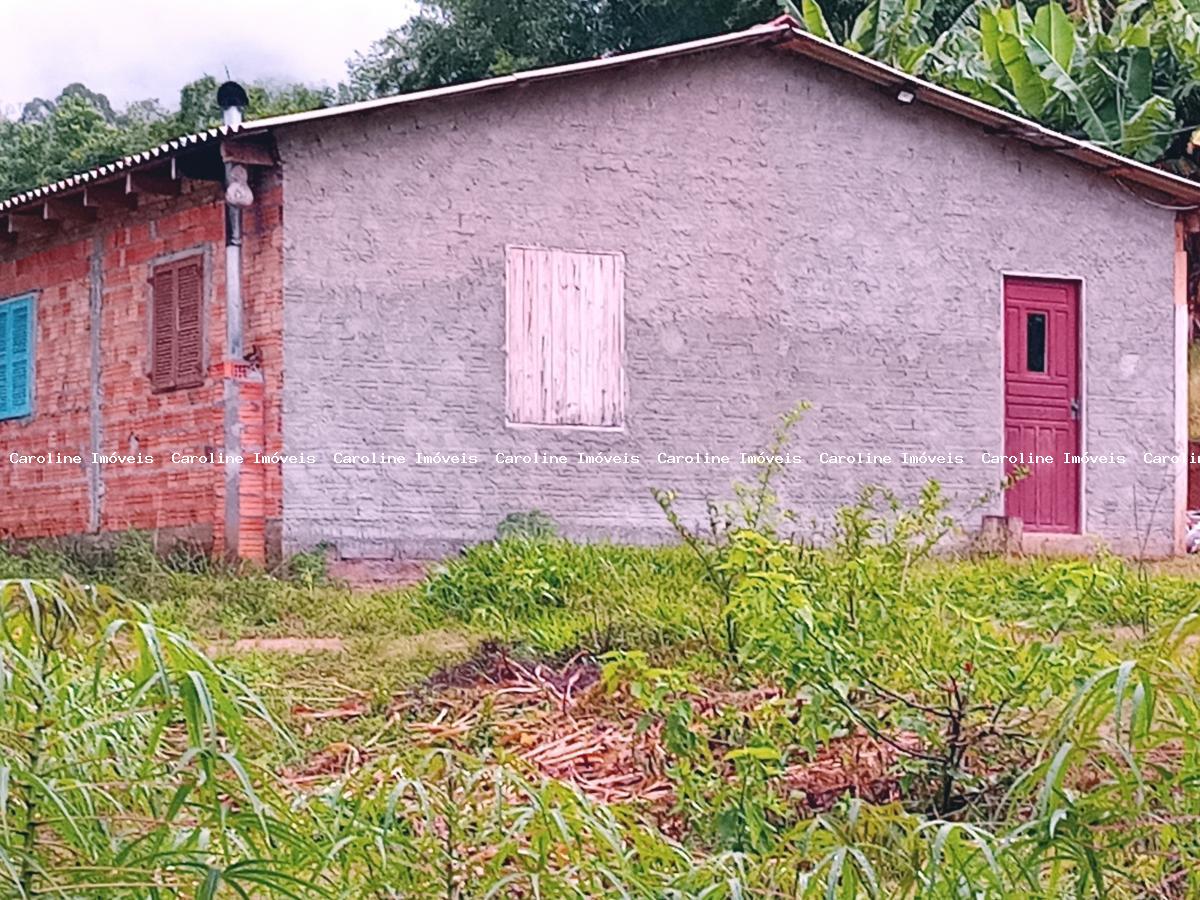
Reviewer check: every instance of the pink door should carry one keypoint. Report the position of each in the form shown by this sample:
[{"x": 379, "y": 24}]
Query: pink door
[{"x": 1041, "y": 401}]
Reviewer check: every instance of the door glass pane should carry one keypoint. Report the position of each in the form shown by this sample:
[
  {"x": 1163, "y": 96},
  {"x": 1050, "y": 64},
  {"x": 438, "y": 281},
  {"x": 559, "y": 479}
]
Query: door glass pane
[{"x": 1035, "y": 342}]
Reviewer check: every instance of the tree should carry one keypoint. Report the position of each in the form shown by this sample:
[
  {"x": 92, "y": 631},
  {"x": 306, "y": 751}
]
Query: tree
[
  {"x": 452, "y": 41},
  {"x": 1125, "y": 76},
  {"x": 80, "y": 129},
  {"x": 446, "y": 42},
  {"x": 55, "y": 138}
]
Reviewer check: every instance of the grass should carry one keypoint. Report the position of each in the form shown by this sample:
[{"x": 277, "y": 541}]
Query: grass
[
  {"x": 991, "y": 666},
  {"x": 549, "y": 600},
  {"x": 741, "y": 714}
]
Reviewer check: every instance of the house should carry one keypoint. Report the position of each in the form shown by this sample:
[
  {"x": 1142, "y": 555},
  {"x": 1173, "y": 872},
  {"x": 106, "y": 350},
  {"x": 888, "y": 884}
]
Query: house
[{"x": 388, "y": 325}]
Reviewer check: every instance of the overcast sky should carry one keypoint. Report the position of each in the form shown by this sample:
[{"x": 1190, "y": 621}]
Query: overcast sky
[{"x": 133, "y": 49}]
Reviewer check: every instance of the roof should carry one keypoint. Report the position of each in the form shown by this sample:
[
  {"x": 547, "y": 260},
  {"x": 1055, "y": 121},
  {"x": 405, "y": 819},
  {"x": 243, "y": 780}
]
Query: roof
[
  {"x": 783, "y": 33},
  {"x": 162, "y": 152}
]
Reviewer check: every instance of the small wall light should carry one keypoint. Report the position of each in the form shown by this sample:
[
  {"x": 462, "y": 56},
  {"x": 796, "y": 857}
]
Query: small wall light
[{"x": 906, "y": 97}]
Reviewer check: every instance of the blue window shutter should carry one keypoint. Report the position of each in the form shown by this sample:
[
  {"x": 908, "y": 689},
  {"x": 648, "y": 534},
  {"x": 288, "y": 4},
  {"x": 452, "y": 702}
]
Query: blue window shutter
[
  {"x": 5, "y": 355},
  {"x": 16, "y": 358}
]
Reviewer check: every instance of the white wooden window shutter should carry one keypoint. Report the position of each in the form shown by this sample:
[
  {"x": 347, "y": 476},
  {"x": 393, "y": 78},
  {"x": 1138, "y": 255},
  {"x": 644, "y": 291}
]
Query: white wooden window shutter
[{"x": 565, "y": 334}]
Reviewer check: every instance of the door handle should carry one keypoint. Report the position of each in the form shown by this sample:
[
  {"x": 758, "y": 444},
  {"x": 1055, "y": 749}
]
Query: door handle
[{"x": 1075, "y": 408}]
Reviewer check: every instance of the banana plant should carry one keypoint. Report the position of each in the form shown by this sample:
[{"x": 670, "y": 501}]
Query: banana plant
[
  {"x": 1100, "y": 85},
  {"x": 1110, "y": 78},
  {"x": 897, "y": 32},
  {"x": 1179, "y": 29}
]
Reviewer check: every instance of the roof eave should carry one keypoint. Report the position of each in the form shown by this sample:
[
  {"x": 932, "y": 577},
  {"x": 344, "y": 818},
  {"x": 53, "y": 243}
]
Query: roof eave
[
  {"x": 759, "y": 34},
  {"x": 783, "y": 32},
  {"x": 997, "y": 121}
]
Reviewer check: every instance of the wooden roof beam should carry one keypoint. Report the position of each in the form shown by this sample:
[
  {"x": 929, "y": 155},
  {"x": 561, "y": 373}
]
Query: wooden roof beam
[
  {"x": 109, "y": 193},
  {"x": 68, "y": 209},
  {"x": 28, "y": 224},
  {"x": 248, "y": 152},
  {"x": 162, "y": 183},
  {"x": 199, "y": 165}
]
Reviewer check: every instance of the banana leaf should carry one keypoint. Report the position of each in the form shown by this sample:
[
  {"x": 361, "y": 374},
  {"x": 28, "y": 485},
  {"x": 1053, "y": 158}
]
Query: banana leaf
[
  {"x": 1056, "y": 33},
  {"x": 1146, "y": 134},
  {"x": 911, "y": 58},
  {"x": 902, "y": 42},
  {"x": 811, "y": 14},
  {"x": 1138, "y": 81},
  {"x": 989, "y": 34},
  {"x": 1087, "y": 115},
  {"x": 1132, "y": 25},
  {"x": 1027, "y": 83},
  {"x": 1181, "y": 27},
  {"x": 1114, "y": 79},
  {"x": 983, "y": 89},
  {"x": 875, "y": 25},
  {"x": 862, "y": 32}
]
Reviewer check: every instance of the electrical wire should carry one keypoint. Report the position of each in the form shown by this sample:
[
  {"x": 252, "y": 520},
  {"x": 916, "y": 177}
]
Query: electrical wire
[{"x": 1155, "y": 203}]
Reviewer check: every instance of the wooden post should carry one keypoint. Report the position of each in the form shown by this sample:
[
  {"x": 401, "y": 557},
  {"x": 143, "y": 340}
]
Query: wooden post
[{"x": 1000, "y": 536}]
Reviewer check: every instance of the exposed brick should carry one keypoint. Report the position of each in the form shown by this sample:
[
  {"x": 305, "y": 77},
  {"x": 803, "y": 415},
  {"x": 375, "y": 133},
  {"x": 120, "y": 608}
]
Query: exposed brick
[{"x": 54, "y": 500}]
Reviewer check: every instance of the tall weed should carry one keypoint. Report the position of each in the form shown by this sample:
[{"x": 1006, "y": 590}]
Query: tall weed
[{"x": 122, "y": 763}]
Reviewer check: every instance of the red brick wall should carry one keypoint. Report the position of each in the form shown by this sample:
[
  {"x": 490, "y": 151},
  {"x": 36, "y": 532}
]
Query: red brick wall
[
  {"x": 50, "y": 499},
  {"x": 137, "y": 420},
  {"x": 186, "y": 499},
  {"x": 1193, "y": 494}
]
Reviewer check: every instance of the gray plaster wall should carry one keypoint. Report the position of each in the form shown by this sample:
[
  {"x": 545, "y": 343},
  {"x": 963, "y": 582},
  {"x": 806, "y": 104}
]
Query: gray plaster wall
[{"x": 790, "y": 233}]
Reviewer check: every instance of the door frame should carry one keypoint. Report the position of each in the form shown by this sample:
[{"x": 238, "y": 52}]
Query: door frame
[{"x": 1081, "y": 345}]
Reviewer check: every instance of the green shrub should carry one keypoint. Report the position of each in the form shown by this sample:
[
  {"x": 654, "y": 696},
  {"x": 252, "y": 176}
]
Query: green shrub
[
  {"x": 534, "y": 525},
  {"x": 555, "y": 597}
]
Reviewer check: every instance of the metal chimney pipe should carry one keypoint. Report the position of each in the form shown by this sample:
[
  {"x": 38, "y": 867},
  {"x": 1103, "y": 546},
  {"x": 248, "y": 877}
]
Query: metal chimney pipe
[{"x": 232, "y": 99}]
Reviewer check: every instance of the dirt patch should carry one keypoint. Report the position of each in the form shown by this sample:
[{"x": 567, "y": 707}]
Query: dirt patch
[
  {"x": 492, "y": 665},
  {"x": 372, "y": 574},
  {"x": 339, "y": 758},
  {"x": 553, "y": 718},
  {"x": 440, "y": 642},
  {"x": 294, "y": 645},
  {"x": 858, "y": 765},
  {"x": 559, "y": 721}
]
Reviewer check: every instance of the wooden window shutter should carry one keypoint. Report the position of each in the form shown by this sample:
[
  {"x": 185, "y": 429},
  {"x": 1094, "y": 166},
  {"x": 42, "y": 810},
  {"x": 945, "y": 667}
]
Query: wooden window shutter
[
  {"x": 565, "y": 337},
  {"x": 189, "y": 321},
  {"x": 177, "y": 325},
  {"x": 16, "y": 357},
  {"x": 162, "y": 353}
]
